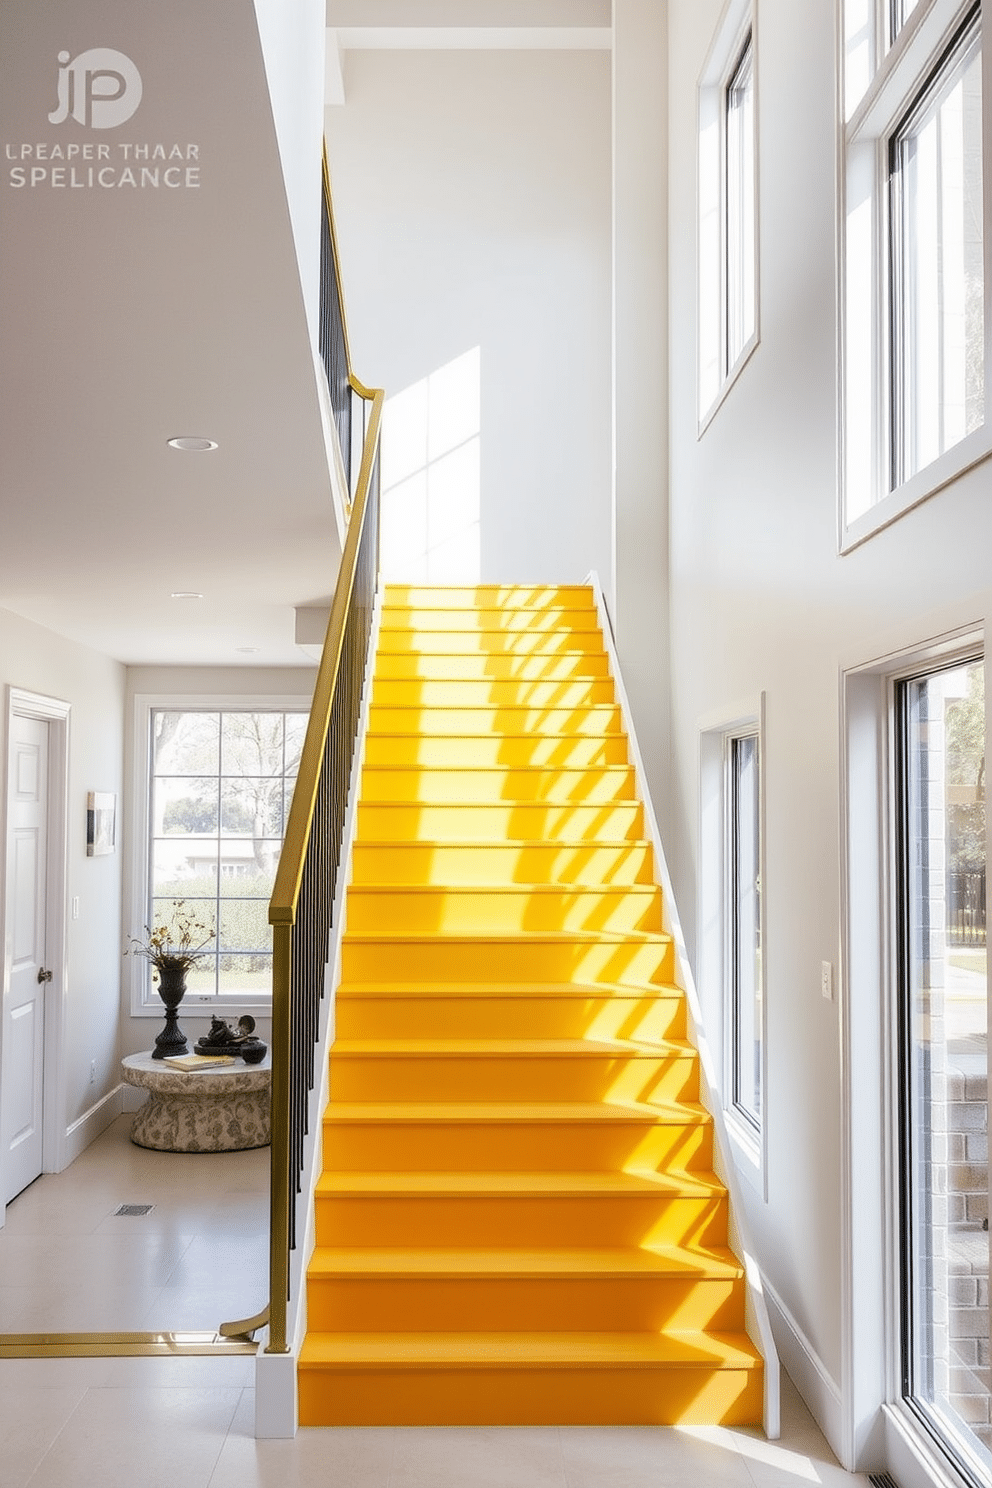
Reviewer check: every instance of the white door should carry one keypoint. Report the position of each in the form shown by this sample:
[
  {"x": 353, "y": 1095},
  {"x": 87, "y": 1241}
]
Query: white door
[{"x": 23, "y": 1056}]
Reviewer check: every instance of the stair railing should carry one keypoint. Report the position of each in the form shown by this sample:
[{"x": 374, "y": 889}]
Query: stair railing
[{"x": 306, "y": 878}]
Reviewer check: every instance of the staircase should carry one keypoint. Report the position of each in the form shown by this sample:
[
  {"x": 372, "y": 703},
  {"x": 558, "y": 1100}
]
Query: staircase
[{"x": 517, "y": 1222}]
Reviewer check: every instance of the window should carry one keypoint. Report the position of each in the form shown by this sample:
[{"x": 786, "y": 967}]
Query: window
[
  {"x": 744, "y": 975},
  {"x": 943, "y": 1059},
  {"x": 738, "y": 255},
  {"x": 730, "y": 961},
  {"x": 220, "y": 782},
  {"x": 915, "y": 288},
  {"x": 728, "y": 257}
]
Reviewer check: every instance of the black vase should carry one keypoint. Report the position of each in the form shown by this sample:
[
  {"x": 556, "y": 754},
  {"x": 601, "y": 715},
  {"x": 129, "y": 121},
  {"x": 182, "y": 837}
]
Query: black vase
[{"x": 171, "y": 989}]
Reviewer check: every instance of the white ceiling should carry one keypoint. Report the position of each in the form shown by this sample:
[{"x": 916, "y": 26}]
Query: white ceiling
[{"x": 128, "y": 316}]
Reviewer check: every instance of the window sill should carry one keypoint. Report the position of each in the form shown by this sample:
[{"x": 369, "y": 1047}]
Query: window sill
[
  {"x": 747, "y": 352},
  {"x": 957, "y": 461}
]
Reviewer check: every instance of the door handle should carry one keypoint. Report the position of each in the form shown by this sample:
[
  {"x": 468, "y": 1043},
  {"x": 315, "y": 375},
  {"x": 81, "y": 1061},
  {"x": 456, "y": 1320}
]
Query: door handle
[{"x": 43, "y": 975}]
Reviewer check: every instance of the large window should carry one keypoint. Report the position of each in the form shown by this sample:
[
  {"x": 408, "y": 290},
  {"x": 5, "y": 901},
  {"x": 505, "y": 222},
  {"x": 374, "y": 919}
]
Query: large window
[
  {"x": 220, "y": 783},
  {"x": 915, "y": 296},
  {"x": 728, "y": 251},
  {"x": 943, "y": 1017}
]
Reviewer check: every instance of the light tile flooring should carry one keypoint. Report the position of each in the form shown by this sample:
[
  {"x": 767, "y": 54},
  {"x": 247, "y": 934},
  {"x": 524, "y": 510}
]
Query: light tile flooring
[{"x": 198, "y": 1258}]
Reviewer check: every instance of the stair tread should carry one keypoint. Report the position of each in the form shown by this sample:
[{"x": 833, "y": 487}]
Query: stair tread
[
  {"x": 524, "y": 937},
  {"x": 600, "y": 991},
  {"x": 618, "y": 1183},
  {"x": 643, "y": 890},
  {"x": 515, "y": 1048},
  {"x": 517, "y": 1112},
  {"x": 534, "y": 1350},
  {"x": 668, "y": 1261}
]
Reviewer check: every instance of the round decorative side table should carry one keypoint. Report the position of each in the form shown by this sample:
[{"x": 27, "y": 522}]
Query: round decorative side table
[{"x": 225, "y": 1109}]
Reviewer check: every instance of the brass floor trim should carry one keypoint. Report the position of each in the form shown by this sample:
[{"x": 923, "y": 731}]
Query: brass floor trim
[{"x": 120, "y": 1345}]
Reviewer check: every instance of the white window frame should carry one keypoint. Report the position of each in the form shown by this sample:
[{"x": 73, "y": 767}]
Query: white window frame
[
  {"x": 748, "y": 1141},
  {"x": 875, "y": 1418},
  {"x": 144, "y": 999},
  {"x": 718, "y": 363},
  {"x": 878, "y": 82}
]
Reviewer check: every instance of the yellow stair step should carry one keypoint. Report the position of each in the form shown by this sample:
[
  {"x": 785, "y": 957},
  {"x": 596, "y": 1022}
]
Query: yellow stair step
[
  {"x": 525, "y": 620},
  {"x": 521, "y": 1136},
  {"x": 579, "y": 1184},
  {"x": 560, "y": 666},
  {"x": 396, "y": 640},
  {"x": 562, "y": 862},
  {"x": 503, "y": 718},
  {"x": 496, "y": 784},
  {"x": 463, "y": 908},
  {"x": 481, "y": 692},
  {"x": 613, "y": 1289},
  {"x": 634, "y": 958},
  {"x": 657, "y": 1260},
  {"x": 483, "y": 751},
  {"x": 528, "y": 821},
  {"x": 458, "y": 596}
]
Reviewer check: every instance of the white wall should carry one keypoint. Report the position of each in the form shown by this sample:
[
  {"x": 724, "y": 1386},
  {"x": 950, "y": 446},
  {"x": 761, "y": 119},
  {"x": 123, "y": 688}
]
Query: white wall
[
  {"x": 93, "y": 685},
  {"x": 292, "y": 38},
  {"x": 472, "y": 200},
  {"x": 760, "y": 600}
]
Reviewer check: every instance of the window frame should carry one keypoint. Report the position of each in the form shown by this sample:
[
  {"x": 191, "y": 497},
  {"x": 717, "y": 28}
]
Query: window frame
[
  {"x": 926, "y": 1415},
  {"x": 719, "y": 361},
  {"x": 877, "y": 1419},
  {"x": 143, "y": 996},
  {"x": 880, "y": 80},
  {"x": 748, "y": 1138},
  {"x": 750, "y": 1121}
]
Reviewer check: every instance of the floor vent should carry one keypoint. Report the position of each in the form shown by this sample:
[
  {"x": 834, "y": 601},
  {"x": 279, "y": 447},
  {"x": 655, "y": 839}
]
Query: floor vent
[
  {"x": 133, "y": 1211},
  {"x": 882, "y": 1480}
]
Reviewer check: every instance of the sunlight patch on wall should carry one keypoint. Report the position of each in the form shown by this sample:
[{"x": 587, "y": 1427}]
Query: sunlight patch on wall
[{"x": 431, "y": 477}]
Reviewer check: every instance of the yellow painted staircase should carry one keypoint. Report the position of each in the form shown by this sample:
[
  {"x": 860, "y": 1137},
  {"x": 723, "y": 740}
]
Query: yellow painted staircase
[{"x": 517, "y": 1221}]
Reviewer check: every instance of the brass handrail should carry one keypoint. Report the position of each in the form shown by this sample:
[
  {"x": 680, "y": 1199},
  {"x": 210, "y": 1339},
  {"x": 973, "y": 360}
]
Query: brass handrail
[{"x": 284, "y": 904}]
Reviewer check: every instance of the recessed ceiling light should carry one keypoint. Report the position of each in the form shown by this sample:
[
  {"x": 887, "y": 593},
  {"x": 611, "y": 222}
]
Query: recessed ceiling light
[
  {"x": 249, "y": 650},
  {"x": 185, "y": 594},
  {"x": 192, "y": 443}
]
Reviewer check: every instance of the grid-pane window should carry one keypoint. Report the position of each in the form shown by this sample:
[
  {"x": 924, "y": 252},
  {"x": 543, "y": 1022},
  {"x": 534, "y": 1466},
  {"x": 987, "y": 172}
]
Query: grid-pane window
[
  {"x": 739, "y": 205},
  {"x": 221, "y": 783},
  {"x": 944, "y": 1013},
  {"x": 937, "y": 277},
  {"x": 744, "y": 937}
]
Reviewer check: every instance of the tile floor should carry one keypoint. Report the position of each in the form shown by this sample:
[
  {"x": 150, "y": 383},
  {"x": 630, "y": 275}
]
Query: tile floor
[{"x": 187, "y": 1423}]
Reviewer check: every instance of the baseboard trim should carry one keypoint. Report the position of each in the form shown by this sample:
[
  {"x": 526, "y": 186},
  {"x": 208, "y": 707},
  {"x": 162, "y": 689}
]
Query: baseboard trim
[
  {"x": 807, "y": 1372},
  {"x": 92, "y": 1124}
]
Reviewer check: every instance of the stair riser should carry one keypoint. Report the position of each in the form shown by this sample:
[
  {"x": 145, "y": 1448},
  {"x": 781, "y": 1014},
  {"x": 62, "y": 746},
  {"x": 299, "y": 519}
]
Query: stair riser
[
  {"x": 554, "y": 619},
  {"x": 397, "y": 640},
  {"x": 378, "y": 822},
  {"x": 498, "y": 786},
  {"x": 466, "y": 1147},
  {"x": 530, "y": 1397},
  {"x": 438, "y": 961},
  {"x": 590, "y": 722},
  {"x": 507, "y": 596},
  {"x": 532, "y": 1222},
  {"x": 382, "y": 1078},
  {"x": 481, "y": 665},
  {"x": 374, "y": 1304},
  {"x": 501, "y": 911},
  {"x": 638, "y": 1018},
  {"x": 446, "y": 863},
  {"x": 483, "y": 751},
  {"x": 490, "y": 692}
]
